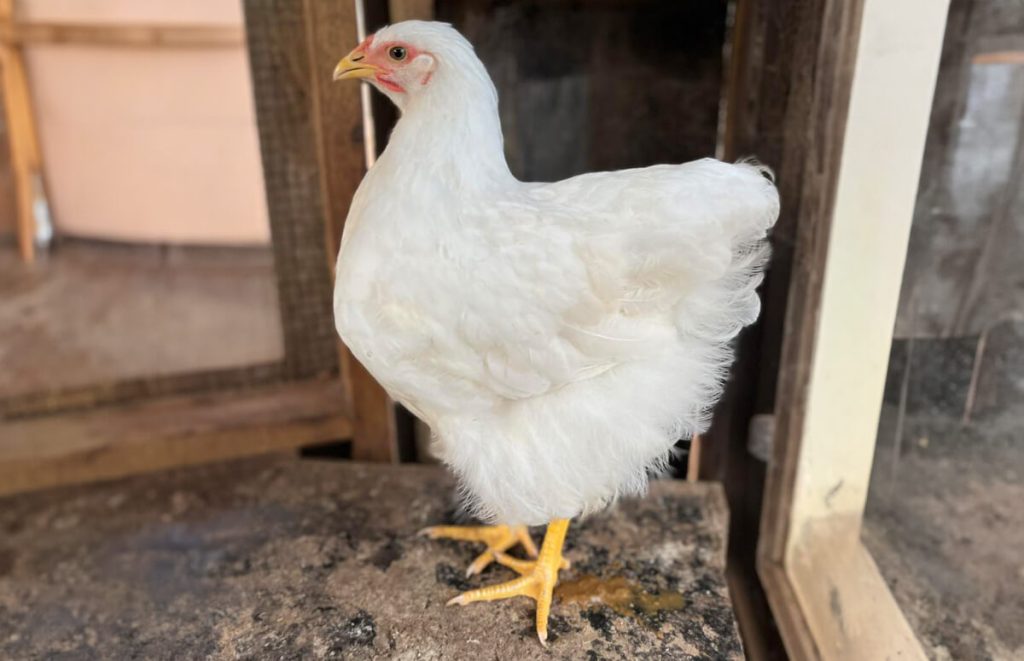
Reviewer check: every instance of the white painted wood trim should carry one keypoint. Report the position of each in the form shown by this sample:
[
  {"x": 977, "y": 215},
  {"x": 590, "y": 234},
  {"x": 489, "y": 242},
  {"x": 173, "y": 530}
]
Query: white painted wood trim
[{"x": 890, "y": 106}]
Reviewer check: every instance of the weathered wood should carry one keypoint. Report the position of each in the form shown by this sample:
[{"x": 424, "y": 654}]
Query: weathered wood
[
  {"x": 112, "y": 442},
  {"x": 310, "y": 137},
  {"x": 767, "y": 94},
  {"x": 331, "y": 31},
  {"x": 282, "y": 84},
  {"x": 337, "y": 110},
  {"x": 815, "y": 127}
]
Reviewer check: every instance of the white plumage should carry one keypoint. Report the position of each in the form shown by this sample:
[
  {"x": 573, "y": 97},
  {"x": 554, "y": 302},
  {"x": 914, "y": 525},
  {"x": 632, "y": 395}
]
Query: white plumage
[{"x": 560, "y": 337}]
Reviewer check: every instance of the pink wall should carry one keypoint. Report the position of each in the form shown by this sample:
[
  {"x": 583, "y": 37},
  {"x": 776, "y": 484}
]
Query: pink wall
[
  {"x": 216, "y": 12},
  {"x": 154, "y": 145}
]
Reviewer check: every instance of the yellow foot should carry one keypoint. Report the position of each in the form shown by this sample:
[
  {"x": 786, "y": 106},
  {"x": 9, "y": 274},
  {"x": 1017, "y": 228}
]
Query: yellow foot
[
  {"x": 497, "y": 538},
  {"x": 537, "y": 578}
]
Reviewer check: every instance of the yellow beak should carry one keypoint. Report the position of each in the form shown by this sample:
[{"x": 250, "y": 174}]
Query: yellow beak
[{"x": 352, "y": 66}]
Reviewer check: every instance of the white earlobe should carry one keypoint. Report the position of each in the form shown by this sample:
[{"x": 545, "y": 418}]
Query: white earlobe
[{"x": 424, "y": 65}]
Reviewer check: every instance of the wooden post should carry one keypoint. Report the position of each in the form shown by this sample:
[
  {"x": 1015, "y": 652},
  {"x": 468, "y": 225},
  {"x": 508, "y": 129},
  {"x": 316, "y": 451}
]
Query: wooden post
[
  {"x": 25, "y": 158},
  {"x": 332, "y": 29},
  {"x": 312, "y": 137}
]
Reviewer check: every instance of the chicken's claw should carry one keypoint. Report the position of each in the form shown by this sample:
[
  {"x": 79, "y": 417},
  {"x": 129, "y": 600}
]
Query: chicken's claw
[
  {"x": 498, "y": 539},
  {"x": 537, "y": 578}
]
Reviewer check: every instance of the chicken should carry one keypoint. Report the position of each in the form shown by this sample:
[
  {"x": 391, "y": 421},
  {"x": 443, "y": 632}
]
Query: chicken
[{"x": 558, "y": 338}]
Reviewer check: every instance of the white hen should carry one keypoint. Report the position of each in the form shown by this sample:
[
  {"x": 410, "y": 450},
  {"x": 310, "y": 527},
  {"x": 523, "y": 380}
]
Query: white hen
[{"x": 558, "y": 338}]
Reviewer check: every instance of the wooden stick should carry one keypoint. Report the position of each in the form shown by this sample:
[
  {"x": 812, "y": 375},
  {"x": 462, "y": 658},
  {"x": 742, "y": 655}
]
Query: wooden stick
[
  {"x": 999, "y": 57},
  {"x": 693, "y": 462},
  {"x": 25, "y": 161}
]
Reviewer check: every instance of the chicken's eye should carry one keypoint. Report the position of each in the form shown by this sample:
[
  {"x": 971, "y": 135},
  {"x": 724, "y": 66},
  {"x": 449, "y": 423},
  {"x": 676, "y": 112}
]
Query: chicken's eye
[{"x": 397, "y": 53}]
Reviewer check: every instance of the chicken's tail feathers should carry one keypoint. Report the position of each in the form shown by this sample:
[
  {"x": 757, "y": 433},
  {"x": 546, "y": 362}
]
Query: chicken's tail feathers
[{"x": 762, "y": 169}]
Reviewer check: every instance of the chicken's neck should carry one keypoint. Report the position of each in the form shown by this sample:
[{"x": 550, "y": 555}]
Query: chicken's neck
[{"x": 452, "y": 134}]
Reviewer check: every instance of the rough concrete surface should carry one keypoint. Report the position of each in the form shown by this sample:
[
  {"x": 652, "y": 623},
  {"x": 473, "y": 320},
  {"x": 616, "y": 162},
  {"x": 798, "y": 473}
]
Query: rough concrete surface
[{"x": 281, "y": 558}]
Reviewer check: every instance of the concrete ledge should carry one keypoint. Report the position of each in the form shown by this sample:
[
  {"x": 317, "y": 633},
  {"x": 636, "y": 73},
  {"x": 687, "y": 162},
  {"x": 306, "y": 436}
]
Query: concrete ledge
[{"x": 284, "y": 558}]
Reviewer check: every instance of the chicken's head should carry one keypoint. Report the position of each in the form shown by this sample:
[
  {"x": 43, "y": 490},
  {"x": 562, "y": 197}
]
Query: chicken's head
[{"x": 408, "y": 59}]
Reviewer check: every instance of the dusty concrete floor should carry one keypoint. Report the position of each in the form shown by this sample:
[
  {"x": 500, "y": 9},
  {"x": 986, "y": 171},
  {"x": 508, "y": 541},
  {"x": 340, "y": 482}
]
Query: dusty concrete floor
[
  {"x": 945, "y": 522},
  {"x": 99, "y": 312},
  {"x": 281, "y": 558}
]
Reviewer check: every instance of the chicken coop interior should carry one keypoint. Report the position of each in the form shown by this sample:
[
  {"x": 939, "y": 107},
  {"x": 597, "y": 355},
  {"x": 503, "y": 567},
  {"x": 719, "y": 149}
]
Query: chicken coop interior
[{"x": 193, "y": 465}]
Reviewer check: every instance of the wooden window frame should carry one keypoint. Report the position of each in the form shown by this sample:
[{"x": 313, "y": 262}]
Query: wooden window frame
[{"x": 876, "y": 66}]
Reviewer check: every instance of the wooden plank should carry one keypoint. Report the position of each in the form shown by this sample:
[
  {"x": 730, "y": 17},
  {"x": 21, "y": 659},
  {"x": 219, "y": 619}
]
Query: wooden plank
[
  {"x": 111, "y": 442},
  {"x": 332, "y": 31},
  {"x": 787, "y": 611},
  {"x": 769, "y": 91},
  {"x": 850, "y": 611},
  {"x": 832, "y": 593},
  {"x": 822, "y": 116},
  {"x": 125, "y": 35}
]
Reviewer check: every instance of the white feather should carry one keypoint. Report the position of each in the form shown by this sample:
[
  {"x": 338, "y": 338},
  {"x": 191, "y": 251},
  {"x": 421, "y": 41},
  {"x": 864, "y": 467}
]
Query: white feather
[{"x": 558, "y": 338}]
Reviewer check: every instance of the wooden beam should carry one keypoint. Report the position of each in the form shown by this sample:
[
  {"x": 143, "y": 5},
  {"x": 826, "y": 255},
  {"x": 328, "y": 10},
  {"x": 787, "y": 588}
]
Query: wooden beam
[
  {"x": 311, "y": 141},
  {"x": 768, "y": 94},
  {"x": 124, "y": 35},
  {"x": 818, "y": 134},
  {"x": 332, "y": 29},
  {"x": 122, "y": 440}
]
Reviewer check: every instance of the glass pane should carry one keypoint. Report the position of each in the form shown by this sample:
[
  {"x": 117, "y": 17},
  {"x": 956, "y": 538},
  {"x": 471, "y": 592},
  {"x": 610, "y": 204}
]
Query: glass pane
[{"x": 945, "y": 520}]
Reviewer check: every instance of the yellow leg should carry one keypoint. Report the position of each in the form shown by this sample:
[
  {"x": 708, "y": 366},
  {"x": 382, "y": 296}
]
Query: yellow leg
[
  {"x": 537, "y": 578},
  {"x": 497, "y": 538}
]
